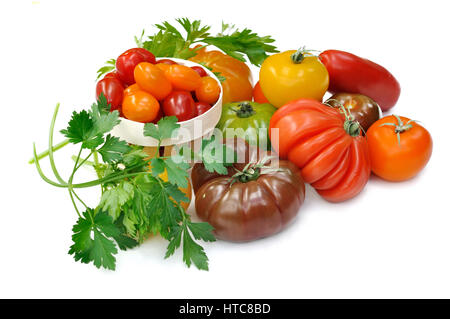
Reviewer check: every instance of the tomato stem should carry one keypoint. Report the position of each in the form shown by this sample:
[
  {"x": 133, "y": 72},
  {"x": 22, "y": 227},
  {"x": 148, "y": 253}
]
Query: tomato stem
[
  {"x": 400, "y": 127},
  {"x": 300, "y": 55},
  {"x": 245, "y": 110}
]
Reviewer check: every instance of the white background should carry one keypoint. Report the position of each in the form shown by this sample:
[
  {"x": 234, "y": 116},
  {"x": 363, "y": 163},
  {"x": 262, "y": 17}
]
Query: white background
[{"x": 391, "y": 241}]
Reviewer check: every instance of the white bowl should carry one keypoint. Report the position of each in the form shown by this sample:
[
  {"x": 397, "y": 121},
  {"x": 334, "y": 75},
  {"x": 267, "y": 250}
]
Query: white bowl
[{"x": 193, "y": 129}]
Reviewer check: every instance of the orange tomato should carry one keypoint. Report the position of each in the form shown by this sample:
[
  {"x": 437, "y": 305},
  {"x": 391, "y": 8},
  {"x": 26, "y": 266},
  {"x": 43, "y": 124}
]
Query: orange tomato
[
  {"x": 183, "y": 77},
  {"x": 208, "y": 91},
  {"x": 237, "y": 86},
  {"x": 131, "y": 89},
  {"x": 140, "y": 106},
  {"x": 258, "y": 95},
  {"x": 152, "y": 79},
  {"x": 164, "y": 67},
  {"x": 399, "y": 148}
]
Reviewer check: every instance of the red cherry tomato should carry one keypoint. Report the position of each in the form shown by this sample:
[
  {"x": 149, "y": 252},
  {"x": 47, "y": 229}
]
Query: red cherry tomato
[
  {"x": 166, "y": 61},
  {"x": 140, "y": 106},
  {"x": 180, "y": 104},
  {"x": 112, "y": 75},
  {"x": 201, "y": 71},
  {"x": 201, "y": 107},
  {"x": 112, "y": 89},
  {"x": 158, "y": 116},
  {"x": 258, "y": 95},
  {"x": 127, "y": 61}
]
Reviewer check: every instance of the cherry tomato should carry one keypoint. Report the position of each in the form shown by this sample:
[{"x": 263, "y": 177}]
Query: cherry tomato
[
  {"x": 158, "y": 116},
  {"x": 140, "y": 106},
  {"x": 127, "y": 61},
  {"x": 208, "y": 91},
  {"x": 258, "y": 95},
  {"x": 166, "y": 61},
  {"x": 201, "y": 107},
  {"x": 164, "y": 67},
  {"x": 179, "y": 104},
  {"x": 183, "y": 77},
  {"x": 131, "y": 89},
  {"x": 113, "y": 75},
  {"x": 112, "y": 89},
  {"x": 201, "y": 71},
  {"x": 151, "y": 78},
  {"x": 399, "y": 148}
]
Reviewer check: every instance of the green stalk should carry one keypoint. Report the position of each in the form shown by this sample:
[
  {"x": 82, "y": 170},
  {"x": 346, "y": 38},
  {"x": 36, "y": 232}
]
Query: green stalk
[
  {"x": 45, "y": 153},
  {"x": 50, "y": 146},
  {"x": 45, "y": 178}
]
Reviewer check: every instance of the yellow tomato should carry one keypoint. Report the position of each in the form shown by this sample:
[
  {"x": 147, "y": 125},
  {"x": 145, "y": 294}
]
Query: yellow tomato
[{"x": 292, "y": 75}]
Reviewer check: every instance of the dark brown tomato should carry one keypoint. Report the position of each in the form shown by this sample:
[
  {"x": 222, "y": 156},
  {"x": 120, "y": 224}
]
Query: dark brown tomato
[
  {"x": 244, "y": 211},
  {"x": 365, "y": 110},
  {"x": 245, "y": 153}
]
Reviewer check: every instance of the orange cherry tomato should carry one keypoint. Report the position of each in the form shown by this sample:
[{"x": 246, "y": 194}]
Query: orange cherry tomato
[
  {"x": 164, "y": 67},
  {"x": 258, "y": 95},
  {"x": 152, "y": 79},
  {"x": 140, "y": 106},
  {"x": 131, "y": 89},
  {"x": 208, "y": 91},
  {"x": 399, "y": 148},
  {"x": 183, "y": 77}
]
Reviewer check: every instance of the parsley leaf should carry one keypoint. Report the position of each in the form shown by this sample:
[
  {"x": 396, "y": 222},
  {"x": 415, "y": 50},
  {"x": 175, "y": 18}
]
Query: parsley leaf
[
  {"x": 214, "y": 156},
  {"x": 193, "y": 252},
  {"x": 167, "y": 127},
  {"x": 91, "y": 242},
  {"x": 113, "y": 149},
  {"x": 115, "y": 197},
  {"x": 110, "y": 66}
]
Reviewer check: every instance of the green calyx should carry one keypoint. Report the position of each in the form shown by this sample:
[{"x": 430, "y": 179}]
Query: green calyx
[
  {"x": 245, "y": 110},
  {"x": 352, "y": 127},
  {"x": 300, "y": 55},
  {"x": 400, "y": 127}
]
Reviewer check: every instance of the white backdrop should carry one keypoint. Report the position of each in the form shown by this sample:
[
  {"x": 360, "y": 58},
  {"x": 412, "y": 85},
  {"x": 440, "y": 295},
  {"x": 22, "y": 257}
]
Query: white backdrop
[{"x": 391, "y": 241}]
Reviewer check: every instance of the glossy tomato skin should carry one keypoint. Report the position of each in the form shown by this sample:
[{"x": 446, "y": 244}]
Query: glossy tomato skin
[
  {"x": 244, "y": 211},
  {"x": 312, "y": 136},
  {"x": 238, "y": 84},
  {"x": 365, "y": 110},
  {"x": 201, "y": 107},
  {"x": 258, "y": 95},
  {"x": 112, "y": 89},
  {"x": 282, "y": 80},
  {"x": 166, "y": 61},
  {"x": 208, "y": 91},
  {"x": 152, "y": 79},
  {"x": 140, "y": 106},
  {"x": 352, "y": 74},
  {"x": 394, "y": 162},
  {"x": 183, "y": 77},
  {"x": 127, "y": 61},
  {"x": 179, "y": 104},
  {"x": 201, "y": 71}
]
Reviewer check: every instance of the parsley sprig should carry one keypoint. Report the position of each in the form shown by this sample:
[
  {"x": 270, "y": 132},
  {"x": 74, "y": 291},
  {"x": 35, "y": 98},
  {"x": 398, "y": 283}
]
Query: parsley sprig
[
  {"x": 184, "y": 39},
  {"x": 135, "y": 201}
]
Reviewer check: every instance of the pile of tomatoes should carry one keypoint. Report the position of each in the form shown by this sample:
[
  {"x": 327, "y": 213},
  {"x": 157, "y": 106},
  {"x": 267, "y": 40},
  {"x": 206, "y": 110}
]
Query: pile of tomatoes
[{"x": 144, "y": 89}]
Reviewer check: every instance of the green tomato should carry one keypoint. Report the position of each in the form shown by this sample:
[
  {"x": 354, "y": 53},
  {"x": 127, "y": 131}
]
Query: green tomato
[{"x": 247, "y": 120}]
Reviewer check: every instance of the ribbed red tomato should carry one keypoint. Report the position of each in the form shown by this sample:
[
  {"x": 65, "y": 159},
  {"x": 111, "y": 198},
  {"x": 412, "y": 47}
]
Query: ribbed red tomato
[{"x": 328, "y": 148}]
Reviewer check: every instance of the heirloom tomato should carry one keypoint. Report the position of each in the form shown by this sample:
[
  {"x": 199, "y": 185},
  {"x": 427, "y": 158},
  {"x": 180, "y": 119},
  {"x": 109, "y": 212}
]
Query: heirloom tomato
[
  {"x": 255, "y": 202},
  {"x": 399, "y": 148},
  {"x": 328, "y": 147},
  {"x": 292, "y": 75}
]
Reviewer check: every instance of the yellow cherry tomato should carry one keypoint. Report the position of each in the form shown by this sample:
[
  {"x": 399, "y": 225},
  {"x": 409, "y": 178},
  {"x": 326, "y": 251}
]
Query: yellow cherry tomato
[{"x": 292, "y": 75}]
